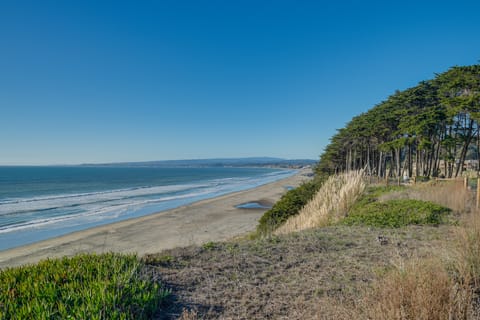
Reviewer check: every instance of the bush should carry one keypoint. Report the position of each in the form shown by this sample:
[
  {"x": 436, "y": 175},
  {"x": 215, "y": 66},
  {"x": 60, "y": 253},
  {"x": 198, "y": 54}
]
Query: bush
[
  {"x": 397, "y": 213},
  {"x": 289, "y": 205},
  {"x": 107, "y": 286}
]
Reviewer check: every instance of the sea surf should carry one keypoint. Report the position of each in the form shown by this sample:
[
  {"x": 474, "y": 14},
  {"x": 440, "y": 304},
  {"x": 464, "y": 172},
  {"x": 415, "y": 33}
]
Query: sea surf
[{"x": 38, "y": 203}]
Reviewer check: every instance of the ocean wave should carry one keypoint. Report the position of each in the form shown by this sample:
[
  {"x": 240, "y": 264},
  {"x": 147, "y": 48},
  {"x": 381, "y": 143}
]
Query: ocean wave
[
  {"x": 97, "y": 213},
  {"x": 16, "y": 206},
  {"x": 114, "y": 205}
]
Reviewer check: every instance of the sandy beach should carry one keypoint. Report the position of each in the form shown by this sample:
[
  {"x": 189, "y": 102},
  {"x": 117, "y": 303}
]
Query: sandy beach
[{"x": 208, "y": 220}]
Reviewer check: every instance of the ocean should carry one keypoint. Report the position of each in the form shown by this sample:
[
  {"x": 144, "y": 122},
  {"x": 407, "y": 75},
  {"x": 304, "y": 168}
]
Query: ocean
[{"x": 37, "y": 203}]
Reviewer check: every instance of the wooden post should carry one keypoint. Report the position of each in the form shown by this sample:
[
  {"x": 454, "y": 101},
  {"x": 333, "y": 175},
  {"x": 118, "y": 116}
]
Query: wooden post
[
  {"x": 465, "y": 182},
  {"x": 386, "y": 181},
  {"x": 478, "y": 192},
  {"x": 398, "y": 181},
  {"x": 415, "y": 180}
]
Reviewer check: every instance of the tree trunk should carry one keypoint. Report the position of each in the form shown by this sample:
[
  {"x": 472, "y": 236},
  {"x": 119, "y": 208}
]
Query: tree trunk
[{"x": 468, "y": 138}]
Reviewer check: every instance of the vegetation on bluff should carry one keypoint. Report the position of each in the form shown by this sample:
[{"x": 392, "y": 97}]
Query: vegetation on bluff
[
  {"x": 424, "y": 269},
  {"x": 330, "y": 204},
  {"x": 289, "y": 205},
  {"x": 107, "y": 286},
  {"x": 397, "y": 213}
]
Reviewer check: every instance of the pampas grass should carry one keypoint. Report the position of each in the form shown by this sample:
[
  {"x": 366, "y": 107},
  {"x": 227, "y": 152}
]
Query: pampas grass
[{"x": 330, "y": 204}]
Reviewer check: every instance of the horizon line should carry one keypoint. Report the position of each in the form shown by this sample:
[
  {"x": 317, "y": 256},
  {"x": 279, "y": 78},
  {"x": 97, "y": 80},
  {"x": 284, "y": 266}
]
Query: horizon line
[{"x": 265, "y": 158}]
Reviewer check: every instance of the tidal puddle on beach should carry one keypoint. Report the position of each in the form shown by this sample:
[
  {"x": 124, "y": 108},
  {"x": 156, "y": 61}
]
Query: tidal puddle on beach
[{"x": 253, "y": 205}]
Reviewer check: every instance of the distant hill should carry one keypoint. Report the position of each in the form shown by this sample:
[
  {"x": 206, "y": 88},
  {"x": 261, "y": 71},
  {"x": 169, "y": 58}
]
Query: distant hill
[{"x": 220, "y": 162}]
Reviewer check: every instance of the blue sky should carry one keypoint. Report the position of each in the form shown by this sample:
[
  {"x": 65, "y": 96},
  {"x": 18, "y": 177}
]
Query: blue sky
[{"x": 106, "y": 81}]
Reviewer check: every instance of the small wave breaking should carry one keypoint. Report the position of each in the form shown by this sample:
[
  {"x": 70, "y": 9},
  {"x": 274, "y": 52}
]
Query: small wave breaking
[{"x": 40, "y": 217}]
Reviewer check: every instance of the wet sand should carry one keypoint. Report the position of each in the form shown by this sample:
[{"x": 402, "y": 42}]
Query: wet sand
[{"x": 208, "y": 220}]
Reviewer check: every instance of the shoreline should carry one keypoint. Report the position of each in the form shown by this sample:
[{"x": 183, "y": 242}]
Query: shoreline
[
  {"x": 27, "y": 218},
  {"x": 213, "y": 219}
]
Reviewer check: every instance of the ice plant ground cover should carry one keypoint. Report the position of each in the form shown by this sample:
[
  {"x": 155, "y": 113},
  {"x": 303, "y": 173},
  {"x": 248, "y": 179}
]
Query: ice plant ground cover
[{"x": 106, "y": 286}]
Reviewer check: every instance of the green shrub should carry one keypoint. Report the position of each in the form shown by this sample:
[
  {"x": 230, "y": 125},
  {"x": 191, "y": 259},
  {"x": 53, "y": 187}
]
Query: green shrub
[
  {"x": 397, "y": 213},
  {"x": 289, "y": 205},
  {"x": 374, "y": 192},
  {"x": 107, "y": 286}
]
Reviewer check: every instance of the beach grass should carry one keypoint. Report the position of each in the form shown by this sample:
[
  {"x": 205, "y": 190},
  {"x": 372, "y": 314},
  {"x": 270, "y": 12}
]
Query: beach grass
[
  {"x": 329, "y": 205},
  {"x": 87, "y": 286},
  {"x": 289, "y": 205}
]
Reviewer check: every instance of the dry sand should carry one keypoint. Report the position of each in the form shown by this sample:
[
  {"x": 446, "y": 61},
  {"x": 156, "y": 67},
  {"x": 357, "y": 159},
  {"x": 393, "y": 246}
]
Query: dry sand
[{"x": 208, "y": 220}]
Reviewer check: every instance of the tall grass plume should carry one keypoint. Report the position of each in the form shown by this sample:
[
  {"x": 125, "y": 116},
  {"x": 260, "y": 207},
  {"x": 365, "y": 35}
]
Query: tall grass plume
[{"x": 330, "y": 204}]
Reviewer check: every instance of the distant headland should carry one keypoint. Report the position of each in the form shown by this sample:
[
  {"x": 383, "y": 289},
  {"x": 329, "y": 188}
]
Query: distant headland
[{"x": 217, "y": 162}]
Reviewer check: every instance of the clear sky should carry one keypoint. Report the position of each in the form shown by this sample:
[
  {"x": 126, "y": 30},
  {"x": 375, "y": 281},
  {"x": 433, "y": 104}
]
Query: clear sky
[{"x": 107, "y": 81}]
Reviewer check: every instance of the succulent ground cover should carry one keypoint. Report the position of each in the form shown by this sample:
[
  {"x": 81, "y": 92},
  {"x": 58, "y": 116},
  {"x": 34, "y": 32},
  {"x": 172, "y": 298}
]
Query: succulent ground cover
[{"x": 107, "y": 286}]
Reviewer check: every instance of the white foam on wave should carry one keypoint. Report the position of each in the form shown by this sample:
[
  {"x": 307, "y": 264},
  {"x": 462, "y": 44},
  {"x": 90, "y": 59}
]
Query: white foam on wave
[
  {"x": 97, "y": 213},
  {"x": 13, "y": 206}
]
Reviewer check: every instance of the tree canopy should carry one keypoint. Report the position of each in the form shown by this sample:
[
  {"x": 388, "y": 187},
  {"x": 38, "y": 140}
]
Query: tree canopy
[{"x": 427, "y": 130}]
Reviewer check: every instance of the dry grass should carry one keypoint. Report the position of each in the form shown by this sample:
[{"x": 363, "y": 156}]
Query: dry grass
[
  {"x": 450, "y": 194},
  {"x": 419, "y": 289},
  {"x": 188, "y": 315},
  {"x": 330, "y": 204},
  {"x": 430, "y": 288},
  {"x": 315, "y": 274},
  {"x": 467, "y": 253},
  {"x": 336, "y": 272}
]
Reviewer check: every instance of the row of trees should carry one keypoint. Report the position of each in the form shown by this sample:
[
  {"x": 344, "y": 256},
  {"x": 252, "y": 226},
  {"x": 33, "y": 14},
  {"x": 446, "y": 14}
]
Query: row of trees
[{"x": 427, "y": 130}]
